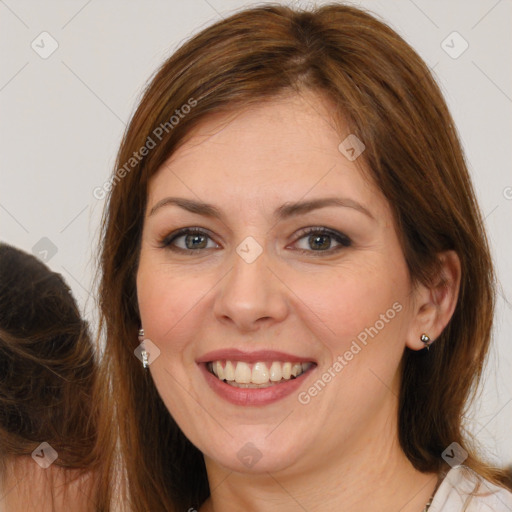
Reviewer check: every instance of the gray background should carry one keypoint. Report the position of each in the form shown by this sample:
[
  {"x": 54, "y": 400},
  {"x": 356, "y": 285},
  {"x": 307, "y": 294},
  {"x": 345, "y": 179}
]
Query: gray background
[{"x": 62, "y": 118}]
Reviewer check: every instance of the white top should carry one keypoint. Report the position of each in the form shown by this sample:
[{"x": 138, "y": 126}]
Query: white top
[{"x": 454, "y": 494}]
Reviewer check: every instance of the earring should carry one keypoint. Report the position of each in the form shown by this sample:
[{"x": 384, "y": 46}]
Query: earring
[
  {"x": 143, "y": 353},
  {"x": 426, "y": 340}
]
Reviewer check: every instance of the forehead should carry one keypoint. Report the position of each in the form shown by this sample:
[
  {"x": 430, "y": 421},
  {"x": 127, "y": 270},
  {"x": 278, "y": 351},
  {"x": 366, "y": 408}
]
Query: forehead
[{"x": 284, "y": 149}]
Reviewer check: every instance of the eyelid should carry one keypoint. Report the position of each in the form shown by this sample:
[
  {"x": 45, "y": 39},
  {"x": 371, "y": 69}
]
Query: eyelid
[{"x": 323, "y": 230}]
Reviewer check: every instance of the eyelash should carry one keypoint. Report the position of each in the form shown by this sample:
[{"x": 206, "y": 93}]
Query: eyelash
[{"x": 343, "y": 240}]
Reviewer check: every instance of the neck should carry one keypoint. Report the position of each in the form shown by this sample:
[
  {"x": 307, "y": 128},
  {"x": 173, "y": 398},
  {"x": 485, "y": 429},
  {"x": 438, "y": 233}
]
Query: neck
[{"x": 373, "y": 474}]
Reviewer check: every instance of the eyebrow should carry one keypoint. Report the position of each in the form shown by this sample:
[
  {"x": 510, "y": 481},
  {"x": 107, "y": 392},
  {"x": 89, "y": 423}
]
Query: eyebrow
[{"x": 285, "y": 211}]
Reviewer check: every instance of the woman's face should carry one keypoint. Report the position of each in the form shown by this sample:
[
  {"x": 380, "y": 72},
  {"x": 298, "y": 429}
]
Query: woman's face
[{"x": 273, "y": 257}]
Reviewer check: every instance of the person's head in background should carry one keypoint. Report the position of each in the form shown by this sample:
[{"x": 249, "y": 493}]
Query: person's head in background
[
  {"x": 345, "y": 73},
  {"x": 47, "y": 372}
]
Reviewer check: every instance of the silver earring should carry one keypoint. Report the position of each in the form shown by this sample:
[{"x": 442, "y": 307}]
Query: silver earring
[
  {"x": 143, "y": 353},
  {"x": 426, "y": 340}
]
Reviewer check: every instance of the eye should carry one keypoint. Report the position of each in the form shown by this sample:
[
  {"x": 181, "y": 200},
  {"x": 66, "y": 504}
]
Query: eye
[
  {"x": 319, "y": 239},
  {"x": 188, "y": 240},
  {"x": 314, "y": 239}
]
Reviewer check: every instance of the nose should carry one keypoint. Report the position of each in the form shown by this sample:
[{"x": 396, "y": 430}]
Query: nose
[{"x": 251, "y": 296}]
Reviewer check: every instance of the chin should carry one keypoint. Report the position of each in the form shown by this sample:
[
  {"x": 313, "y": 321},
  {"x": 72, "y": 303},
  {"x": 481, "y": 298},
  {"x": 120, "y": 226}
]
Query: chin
[
  {"x": 256, "y": 464},
  {"x": 257, "y": 456}
]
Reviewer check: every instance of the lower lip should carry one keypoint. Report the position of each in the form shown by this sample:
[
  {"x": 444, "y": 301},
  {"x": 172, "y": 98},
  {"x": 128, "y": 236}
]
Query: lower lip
[{"x": 253, "y": 396}]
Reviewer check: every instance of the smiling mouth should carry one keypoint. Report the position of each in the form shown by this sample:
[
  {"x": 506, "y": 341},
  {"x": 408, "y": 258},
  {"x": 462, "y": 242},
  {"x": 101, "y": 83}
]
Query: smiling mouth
[{"x": 257, "y": 375}]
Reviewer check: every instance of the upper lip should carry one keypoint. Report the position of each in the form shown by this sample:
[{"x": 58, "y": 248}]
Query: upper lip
[{"x": 233, "y": 354}]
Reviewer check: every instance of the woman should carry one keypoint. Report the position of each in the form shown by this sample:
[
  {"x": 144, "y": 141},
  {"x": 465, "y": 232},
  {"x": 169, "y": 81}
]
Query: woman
[
  {"x": 296, "y": 287},
  {"x": 47, "y": 371}
]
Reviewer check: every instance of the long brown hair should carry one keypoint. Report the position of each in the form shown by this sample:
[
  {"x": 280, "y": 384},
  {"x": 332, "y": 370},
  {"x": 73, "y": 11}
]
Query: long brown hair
[
  {"x": 47, "y": 371},
  {"x": 387, "y": 96}
]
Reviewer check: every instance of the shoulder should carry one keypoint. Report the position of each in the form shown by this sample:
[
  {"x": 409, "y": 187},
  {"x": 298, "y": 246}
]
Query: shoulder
[{"x": 463, "y": 490}]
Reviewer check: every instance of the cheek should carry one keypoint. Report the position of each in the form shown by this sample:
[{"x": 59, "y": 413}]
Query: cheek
[
  {"x": 167, "y": 303},
  {"x": 352, "y": 299}
]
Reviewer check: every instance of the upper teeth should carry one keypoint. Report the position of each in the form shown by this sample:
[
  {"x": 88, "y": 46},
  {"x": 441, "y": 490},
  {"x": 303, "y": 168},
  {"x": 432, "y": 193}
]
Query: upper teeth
[{"x": 260, "y": 373}]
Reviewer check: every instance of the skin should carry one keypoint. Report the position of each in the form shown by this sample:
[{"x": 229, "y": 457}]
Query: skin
[
  {"x": 25, "y": 486},
  {"x": 340, "y": 451}
]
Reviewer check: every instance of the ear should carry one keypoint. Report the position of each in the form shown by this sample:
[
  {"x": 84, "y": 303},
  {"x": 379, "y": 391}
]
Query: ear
[{"x": 434, "y": 305}]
